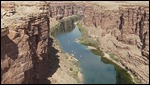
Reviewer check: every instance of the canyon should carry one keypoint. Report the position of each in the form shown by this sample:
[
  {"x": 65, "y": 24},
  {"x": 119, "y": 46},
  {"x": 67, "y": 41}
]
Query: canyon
[
  {"x": 123, "y": 31},
  {"x": 29, "y": 55}
]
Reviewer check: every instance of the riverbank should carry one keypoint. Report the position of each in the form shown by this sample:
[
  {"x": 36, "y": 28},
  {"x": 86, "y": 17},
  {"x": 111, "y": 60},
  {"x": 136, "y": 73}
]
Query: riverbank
[
  {"x": 86, "y": 39},
  {"x": 69, "y": 71}
]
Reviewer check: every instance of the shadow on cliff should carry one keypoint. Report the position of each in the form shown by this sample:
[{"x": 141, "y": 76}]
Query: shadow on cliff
[
  {"x": 43, "y": 69},
  {"x": 9, "y": 48},
  {"x": 51, "y": 65},
  {"x": 44, "y": 59},
  {"x": 9, "y": 52},
  {"x": 54, "y": 60}
]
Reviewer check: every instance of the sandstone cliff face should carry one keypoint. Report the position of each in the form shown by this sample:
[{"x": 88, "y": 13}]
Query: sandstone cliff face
[
  {"x": 27, "y": 55},
  {"x": 135, "y": 32},
  {"x": 128, "y": 19},
  {"x": 60, "y": 10},
  {"x": 124, "y": 32},
  {"x": 24, "y": 48},
  {"x": 135, "y": 20}
]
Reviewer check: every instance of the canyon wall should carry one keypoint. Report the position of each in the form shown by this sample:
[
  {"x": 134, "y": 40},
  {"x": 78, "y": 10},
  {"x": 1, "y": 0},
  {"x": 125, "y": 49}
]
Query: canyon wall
[
  {"x": 123, "y": 31},
  {"x": 26, "y": 48},
  {"x": 129, "y": 19},
  {"x": 60, "y": 10},
  {"x": 135, "y": 20}
]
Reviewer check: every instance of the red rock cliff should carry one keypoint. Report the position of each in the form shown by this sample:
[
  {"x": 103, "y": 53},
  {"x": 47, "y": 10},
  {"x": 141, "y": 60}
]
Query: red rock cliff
[
  {"x": 124, "y": 32},
  {"x": 27, "y": 55}
]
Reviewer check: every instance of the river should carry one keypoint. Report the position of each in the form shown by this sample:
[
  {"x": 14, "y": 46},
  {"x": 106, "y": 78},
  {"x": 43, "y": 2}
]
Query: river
[{"x": 94, "y": 70}]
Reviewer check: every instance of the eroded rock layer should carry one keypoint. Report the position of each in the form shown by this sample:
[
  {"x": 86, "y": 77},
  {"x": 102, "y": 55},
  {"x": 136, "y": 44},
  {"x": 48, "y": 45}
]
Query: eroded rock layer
[
  {"x": 25, "y": 43},
  {"x": 123, "y": 31}
]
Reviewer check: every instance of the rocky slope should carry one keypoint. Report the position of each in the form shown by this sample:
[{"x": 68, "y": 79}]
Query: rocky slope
[
  {"x": 122, "y": 30},
  {"x": 24, "y": 48},
  {"x": 27, "y": 54}
]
